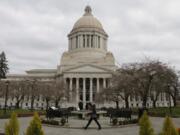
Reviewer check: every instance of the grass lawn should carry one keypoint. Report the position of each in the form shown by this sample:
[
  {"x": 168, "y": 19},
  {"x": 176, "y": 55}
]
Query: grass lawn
[
  {"x": 19, "y": 112},
  {"x": 175, "y": 111}
]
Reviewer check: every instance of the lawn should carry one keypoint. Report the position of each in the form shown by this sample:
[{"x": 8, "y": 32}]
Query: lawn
[
  {"x": 19, "y": 112},
  {"x": 163, "y": 111}
]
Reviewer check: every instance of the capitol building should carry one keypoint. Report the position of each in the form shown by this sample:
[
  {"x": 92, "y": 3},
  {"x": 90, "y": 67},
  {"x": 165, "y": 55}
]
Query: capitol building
[{"x": 86, "y": 67}]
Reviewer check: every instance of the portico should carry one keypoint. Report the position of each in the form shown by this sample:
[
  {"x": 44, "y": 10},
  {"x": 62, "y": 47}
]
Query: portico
[{"x": 84, "y": 86}]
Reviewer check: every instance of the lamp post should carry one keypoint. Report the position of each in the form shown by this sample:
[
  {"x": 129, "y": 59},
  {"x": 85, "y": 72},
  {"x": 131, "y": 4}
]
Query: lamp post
[{"x": 6, "y": 96}]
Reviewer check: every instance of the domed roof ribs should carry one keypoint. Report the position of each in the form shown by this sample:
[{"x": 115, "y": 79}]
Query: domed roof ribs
[{"x": 88, "y": 23}]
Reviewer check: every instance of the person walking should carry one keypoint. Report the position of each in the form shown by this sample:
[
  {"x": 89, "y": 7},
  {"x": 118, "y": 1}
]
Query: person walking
[{"x": 93, "y": 116}]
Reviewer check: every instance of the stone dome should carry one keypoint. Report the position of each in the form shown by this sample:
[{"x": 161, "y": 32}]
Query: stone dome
[{"x": 88, "y": 21}]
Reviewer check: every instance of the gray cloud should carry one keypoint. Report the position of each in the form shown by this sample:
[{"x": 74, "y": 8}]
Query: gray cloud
[{"x": 34, "y": 33}]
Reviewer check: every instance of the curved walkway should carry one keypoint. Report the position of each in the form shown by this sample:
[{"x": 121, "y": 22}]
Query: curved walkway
[{"x": 75, "y": 127}]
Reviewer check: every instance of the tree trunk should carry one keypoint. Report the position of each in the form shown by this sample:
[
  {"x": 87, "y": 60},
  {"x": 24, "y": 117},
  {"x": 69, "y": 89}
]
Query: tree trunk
[
  {"x": 47, "y": 104},
  {"x": 144, "y": 101},
  {"x": 32, "y": 103},
  {"x": 17, "y": 104},
  {"x": 154, "y": 103},
  {"x": 117, "y": 104},
  {"x": 126, "y": 102},
  {"x": 56, "y": 103},
  {"x": 174, "y": 101}
]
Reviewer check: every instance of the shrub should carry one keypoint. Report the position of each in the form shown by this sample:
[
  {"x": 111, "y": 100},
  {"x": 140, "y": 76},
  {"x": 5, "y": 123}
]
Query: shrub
[
  {"x": 12, "y": 127},
  {"x": 134, "y": 121},
  {"x": 35, "y": 127},
  {"x": 63, "y": 121},
  {"x": 50, "y": 122},
  {"x": 168, "y": 127},
  {"x": 115, "y": 121},
  {"x": 178, "y": 130},
  {"x": 145, "y": 125},
  {"x": 125, "y": 122}
]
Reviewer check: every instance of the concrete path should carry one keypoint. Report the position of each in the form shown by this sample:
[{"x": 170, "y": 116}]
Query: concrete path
[{"x": 75, "y": 127}]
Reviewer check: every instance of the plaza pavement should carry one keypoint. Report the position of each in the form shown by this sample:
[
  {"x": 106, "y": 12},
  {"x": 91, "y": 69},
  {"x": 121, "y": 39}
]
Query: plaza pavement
[{"x": 75, "y": 127}]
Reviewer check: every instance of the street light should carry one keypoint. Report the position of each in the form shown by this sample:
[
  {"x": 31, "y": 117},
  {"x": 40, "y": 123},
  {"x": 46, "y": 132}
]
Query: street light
[{"x": 6, "y": 96}]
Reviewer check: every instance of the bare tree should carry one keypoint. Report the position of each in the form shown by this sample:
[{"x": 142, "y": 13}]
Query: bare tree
[
  {"x": 122, "y": 86},
  {"x": 146, "y": 79},
  {"x": 32, "y": 91},
  {"x": 172, "y": 85},
  {"x": 60, "y": 91},
  {"x": 18, "y": 90},
  {"x": 110, "y": 94},
  {"x": 46, "y": 91}
]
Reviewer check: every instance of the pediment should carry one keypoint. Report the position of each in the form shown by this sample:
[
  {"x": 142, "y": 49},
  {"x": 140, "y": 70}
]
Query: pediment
[{"x": 88, "y": 69}]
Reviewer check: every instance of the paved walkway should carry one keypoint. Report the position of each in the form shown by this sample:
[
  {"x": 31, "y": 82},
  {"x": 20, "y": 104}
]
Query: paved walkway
[{"x": 75, "y": 127}]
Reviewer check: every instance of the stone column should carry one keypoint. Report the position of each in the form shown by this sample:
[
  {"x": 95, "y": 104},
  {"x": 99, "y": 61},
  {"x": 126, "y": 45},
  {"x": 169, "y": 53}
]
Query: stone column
[
  {"x": 89, "y": 41},
  {"x": 77, "y": 41},
  {"x": 85, "y": 41},
  {"x": 69, "y": 46},
  {"x": 104, "y": 83},
  {"x": 77, "y": 90},
  {"x": 70, "y": 88},
  {"x": 72, "y": 43},
  {"x": 91, "y": 90},
  {"x": 65, "y": 81},
  {"x": 94, "y": 40},
  {"x": 84, "y": 92},
  {"x": 80, "y": 41},
  {"x": 97, "y": 85}
]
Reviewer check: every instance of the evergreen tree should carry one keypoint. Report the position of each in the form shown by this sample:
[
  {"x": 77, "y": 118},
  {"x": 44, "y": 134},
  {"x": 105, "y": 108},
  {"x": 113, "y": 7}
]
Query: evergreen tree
[
  {"x": 145, "y": 125},
  {"x": 12, "y": 127},
  {"x": 168, "y": 127},
  {"x": 35, "y": 127},
  {"x": 3, "y": 65}
]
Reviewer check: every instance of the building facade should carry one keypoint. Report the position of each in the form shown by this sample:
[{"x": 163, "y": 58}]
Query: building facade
[{"x": 86, "y": 67}]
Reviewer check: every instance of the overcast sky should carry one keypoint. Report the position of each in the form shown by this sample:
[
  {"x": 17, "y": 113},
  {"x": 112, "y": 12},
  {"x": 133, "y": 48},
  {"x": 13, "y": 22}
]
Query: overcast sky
[{"x": 33, "y": 33}]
